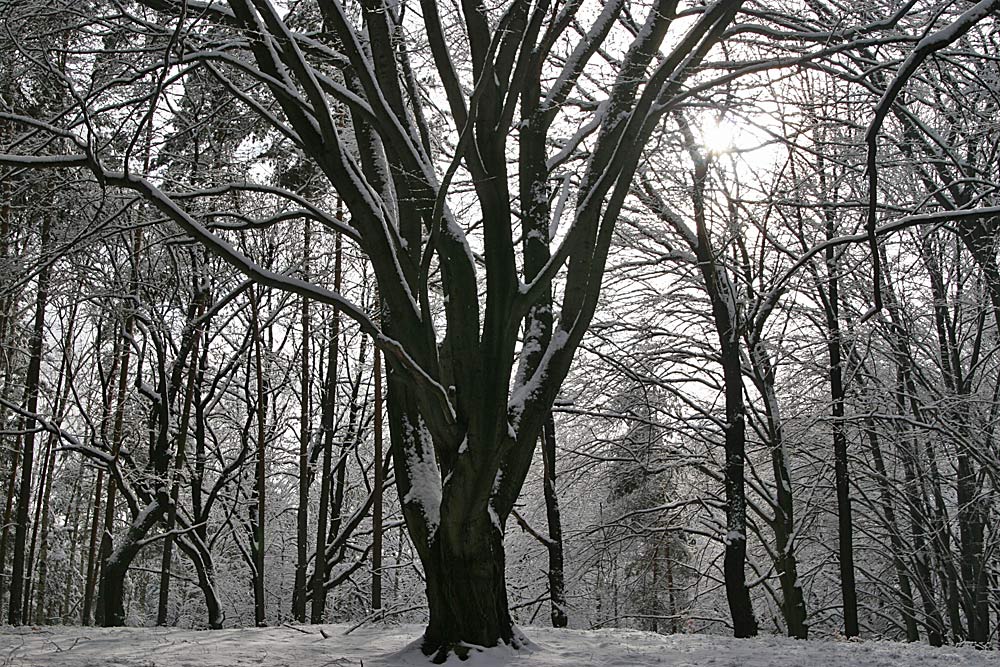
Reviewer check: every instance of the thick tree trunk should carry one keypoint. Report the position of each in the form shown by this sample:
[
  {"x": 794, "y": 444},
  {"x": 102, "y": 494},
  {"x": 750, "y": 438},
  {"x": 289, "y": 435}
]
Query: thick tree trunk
[
  {"x": 111, "y": 598},
  {"x": 735, "y": 541},
  {"x": 466, "y": 590}
]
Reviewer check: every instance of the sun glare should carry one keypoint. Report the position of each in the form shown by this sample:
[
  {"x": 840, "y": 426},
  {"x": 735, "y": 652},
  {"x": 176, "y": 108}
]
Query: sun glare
[{"x": 719, "y": 135}]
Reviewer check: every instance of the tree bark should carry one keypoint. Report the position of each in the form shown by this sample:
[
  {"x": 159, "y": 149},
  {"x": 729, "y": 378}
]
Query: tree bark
[
  {"x": 557, "y": 582},
  {"x": 260, "y": 476},
  {"x": 180, "y": 457},
  {"x": 31, "y": 387},
  {"x": 466, "y": 589},
  {"x": 377, "y": 484},
  {"x": 845, "y": 525},
  {"x": 110, "y": 509},
  {"x": 302, "y": 511},
  {"x": 327, "y": 416},
  {"x": 92, "y": 553}
]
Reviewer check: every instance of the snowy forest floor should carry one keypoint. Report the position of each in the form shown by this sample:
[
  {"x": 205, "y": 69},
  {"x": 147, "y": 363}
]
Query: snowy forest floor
[{"x": 395, "y": 646}]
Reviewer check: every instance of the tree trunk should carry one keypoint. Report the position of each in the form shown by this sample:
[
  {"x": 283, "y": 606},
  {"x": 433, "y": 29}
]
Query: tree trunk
[
  {"x": 919, "y": 514},
  {"x": 895, "y": 539},
  {"x": 260, "y": 476},
  {"x": 327, "y": 416},
  {"x": 557, "y": 585},
  {"x": 466, "y": 590},
  {"x": 179, "y": 459},
  {"x": 198, "y": 553},
  {"x": 15, "y": 613},
  {"x": 64, "y": 381},
  {"x": 845, "y": 526},
  {"x": 71, "y": 527},
  {"x": 793, "y": 606},
  {"x": 8, "y": 512},
  {"x": 726, "y": 319},
  {"x": 377, "y": 485},
  {"x": 92, "y": 559},
  {"x": 302, "y": 511},
  {"x": 111, "y": 599},
  {"x": 110, "y": 509}
]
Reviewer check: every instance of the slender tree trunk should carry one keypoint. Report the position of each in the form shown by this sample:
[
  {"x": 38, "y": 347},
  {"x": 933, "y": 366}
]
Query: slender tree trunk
[
  {"x": 327, "y": 416},
  {"x": 377, "y": 485},
  {"x": 32, "y": 379},
  {"x": 40, "y": 529},
  {"x": 919, "y": 515},
  {"x": 92, "y": 553},
  {"x": 726, "y": 319},
  {"x": 65, "y": 381},
  {"x": 845, "y": 524},
  {"x": 557, "y": 585},
  {"x": 260, "y": 477},
  {"x": 110, "y": 505},
  {"x": 43, "y": 542},
  {"x": 302, "y": 511},
  {"x": 179, "y": 459},
  {"x": 8, "y": 511},
  {"x": 793, "y": 606},
  {"x": 72, "y": 527},
  {"x": 895, "y": 538}
]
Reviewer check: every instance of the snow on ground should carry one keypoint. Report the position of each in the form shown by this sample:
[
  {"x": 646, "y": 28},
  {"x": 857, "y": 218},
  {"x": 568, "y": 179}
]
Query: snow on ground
[{"x": 394, "y": 646}]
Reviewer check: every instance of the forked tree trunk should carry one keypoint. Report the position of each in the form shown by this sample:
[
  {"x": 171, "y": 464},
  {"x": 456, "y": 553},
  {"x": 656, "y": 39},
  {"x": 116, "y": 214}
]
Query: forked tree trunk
[
  {"x": 198, "y": 553},
  {"x": 793, "y": 606},
  {"x": 180, "y": 457},
  {"x": 110, "y": 507},
  {"x": 111, "y": 600}
]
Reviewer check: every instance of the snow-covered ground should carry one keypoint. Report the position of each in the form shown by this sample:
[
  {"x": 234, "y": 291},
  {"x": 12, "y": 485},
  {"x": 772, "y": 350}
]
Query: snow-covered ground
[{"x": 394, "y": 646}]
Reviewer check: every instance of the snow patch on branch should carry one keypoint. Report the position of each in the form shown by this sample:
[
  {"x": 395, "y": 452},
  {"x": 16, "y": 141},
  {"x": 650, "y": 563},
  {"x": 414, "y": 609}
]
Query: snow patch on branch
[
  {"x": 424, "y": 475},
  {"x": 527, "y": 390}
]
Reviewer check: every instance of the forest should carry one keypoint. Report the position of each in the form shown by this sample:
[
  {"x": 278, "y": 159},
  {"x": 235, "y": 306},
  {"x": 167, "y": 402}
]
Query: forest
[{"x": 672, "y": 316}]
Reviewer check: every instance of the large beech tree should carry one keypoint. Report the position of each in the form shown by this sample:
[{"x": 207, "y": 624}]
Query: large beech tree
[{"x": 475, "y": 353}]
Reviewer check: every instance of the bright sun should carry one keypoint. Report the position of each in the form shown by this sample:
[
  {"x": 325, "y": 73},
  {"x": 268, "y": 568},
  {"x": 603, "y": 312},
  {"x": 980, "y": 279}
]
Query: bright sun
[{"x": 719, "y": 135}]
